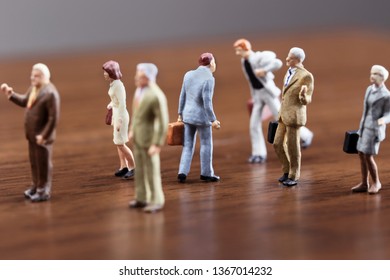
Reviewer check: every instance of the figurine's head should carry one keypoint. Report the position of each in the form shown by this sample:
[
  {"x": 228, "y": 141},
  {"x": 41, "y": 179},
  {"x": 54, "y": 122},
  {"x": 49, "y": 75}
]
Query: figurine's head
[
  {"x": 207, "y": 59},
  {"x": 146, "y": 72},
  {"x": 111, "y": 70},
  {"x": 242, "y": 47},
  {"x": 379, "y": 74},
  {"x": 295, "y": 57},
  {"x": 40, "y": 75}
]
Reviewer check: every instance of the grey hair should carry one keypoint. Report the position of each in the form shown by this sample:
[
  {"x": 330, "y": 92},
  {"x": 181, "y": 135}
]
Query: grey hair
[
  {"x": 298, "y": 53},
  {"x": 44, "y": 69},
  {"x": 382, "y": 70},
  {"x": 150, "y": 70}
]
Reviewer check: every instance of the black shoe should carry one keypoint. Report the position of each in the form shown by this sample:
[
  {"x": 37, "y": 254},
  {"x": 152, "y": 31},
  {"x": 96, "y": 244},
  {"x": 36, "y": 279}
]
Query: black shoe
[
  {"x": 137, "y": 204},
  {"x": 121, "y": 172},
  {"x": 283, "y": 178},
  {"x": 129, "y": 174},
  {"x": 290, "y": 182},
  {"x": 256, "y": 159},
  {"x": 213, "y": 178},
  {"x": 182, "y": 177}
]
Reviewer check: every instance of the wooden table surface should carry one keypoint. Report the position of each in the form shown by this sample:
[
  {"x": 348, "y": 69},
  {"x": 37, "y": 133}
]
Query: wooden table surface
[{"x": 247, "y": 215}]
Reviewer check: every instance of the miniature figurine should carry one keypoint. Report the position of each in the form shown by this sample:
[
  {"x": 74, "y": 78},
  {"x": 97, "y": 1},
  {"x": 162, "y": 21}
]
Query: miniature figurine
[
  {"x": 372, "y": 129},
  {"x": 42, "y": 104},
  {"x": 120, "y": 118},
  {"x": 148, "y": 131},
  {"x": 196, "y": 111},
  {"x": 258, "y": 67},
  {"x": 297, "y": 93}
]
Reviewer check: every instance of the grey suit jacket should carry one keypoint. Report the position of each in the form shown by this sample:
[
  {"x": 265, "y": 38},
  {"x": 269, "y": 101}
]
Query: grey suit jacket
[
  {"x": 42, "y": 117},
  {"x": 195, "y": 103},
  {"x": 264, "y": 60},
  {"x": 380, "y": 108},
  {"x": 150, "y": 118}
]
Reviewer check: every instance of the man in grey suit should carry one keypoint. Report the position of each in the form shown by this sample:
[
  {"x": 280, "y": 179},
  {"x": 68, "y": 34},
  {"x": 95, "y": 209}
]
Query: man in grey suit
[
  {"x": 196, "y": 111},
  {"x": 42, "y": 104},
  {"x": 258, "y": 68}
]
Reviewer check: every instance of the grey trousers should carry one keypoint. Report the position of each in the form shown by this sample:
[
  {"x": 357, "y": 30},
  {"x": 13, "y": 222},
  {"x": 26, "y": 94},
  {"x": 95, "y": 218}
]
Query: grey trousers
[
  {"x": 41, "y": 166},
  {"x": 206, "y": 149}
]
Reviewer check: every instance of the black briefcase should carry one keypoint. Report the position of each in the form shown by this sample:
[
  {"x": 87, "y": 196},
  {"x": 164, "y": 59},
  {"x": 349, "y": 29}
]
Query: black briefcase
[
  {"x": 350, "y": 142},
  {"x": 272, "y": 126}
]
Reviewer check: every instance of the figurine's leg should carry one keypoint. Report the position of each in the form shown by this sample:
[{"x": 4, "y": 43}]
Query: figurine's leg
[
  {"x": 206, "y": 151},
  {"x": 153, "y": 176},
  {"x": 122, "y": 158},
  {"x": 373, "y": 169},
  {"x": 294, "y": 152},
  {"x": 44, "y": 172},
  {"x": 257, "y": 139},
  {"x": 281, "y": 147},
  {"x": 126, "y": 155},
  {"x": 188, "y": 148},
  {"x": 364, "y": 184},
  {"x": 33, "y": 164},
  {"x": 140, "y": 184}
]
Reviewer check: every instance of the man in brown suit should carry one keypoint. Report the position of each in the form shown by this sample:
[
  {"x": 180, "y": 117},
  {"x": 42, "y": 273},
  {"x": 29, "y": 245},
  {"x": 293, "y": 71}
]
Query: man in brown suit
[
  {"x": 296, "y": 94},
  {"x": 42, "y": 111}
]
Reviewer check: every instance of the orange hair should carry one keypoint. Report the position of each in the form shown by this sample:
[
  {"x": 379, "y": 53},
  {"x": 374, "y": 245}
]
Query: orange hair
[{"x": 243, "y": 44}]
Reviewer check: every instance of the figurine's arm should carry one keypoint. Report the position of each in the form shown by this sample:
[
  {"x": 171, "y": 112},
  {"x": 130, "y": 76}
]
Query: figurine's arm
[
  {"x": 18, "y": 99},
  {"x": 207, "y": 93},
  {"x": 160, "y": 110},
  {"x": 53, "y": 109},
  {"x": 182, "y": 101},
  {"x": 306, "y": 92},
  {"x": 269, "y": 63},
  {"x": 386, "y": 116}
]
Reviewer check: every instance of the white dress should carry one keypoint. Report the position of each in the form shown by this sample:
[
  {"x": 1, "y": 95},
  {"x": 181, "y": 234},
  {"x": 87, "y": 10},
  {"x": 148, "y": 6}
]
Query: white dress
[{"x": 120, "y": 116}]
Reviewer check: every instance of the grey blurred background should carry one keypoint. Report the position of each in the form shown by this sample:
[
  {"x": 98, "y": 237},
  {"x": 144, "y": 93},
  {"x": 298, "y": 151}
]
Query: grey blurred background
[{"x": 30, "y": 27}]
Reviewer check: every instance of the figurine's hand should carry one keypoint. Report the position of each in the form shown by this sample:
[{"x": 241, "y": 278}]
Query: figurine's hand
[
  {"x": 302, "y": 95},
  {"x": 7, "y": 90},
  {"x": 179, "y": 119},
  {"x": 154, "y": 149},
  {"x": 216, "y": 124},
  {"x": 260, "y": 72},
  {"x": 109, "y": 106},
  {"x": 40, "y": 140},
  {"x": 381, "y": 121}
]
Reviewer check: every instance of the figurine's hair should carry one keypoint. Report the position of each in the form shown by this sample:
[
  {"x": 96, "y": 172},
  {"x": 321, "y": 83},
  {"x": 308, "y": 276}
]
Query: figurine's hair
[
  {"x": 205, "y": 59},
  {"x": 44, "y": 69},
  {"x": 243, "y": 44},
  {"x": 298, "y": 53},
  {"x": 113, "y": 70},
  {"x": 150, "y": 70},
  {"x": 382, "y": 70}
]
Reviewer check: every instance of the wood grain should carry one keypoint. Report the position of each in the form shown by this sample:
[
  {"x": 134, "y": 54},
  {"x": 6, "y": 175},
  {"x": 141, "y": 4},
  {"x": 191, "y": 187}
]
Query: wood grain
[{"x": 245, "y": 216}]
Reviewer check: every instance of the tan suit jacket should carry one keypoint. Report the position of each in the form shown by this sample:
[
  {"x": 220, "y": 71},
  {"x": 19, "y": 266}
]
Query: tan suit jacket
[
  {"x": 293, "y": 109},
  {"x": 150, "y": 118}
]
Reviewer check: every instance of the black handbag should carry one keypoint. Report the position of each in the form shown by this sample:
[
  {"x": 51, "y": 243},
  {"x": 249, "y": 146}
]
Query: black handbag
[
  {"x": 350, "y": 142},
  {"x": 272, "y": 126}
]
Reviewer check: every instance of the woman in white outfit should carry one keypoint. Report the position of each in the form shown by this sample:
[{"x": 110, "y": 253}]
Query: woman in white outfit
[{"x": 120, "y": 118}]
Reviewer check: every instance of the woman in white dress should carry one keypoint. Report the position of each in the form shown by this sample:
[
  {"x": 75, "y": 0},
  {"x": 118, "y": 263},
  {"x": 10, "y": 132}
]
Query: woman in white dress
[{"x": 120, "y": 118}]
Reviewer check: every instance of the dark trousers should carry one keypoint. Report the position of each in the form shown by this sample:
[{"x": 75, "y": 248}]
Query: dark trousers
[{"x": 41, "y": 166}]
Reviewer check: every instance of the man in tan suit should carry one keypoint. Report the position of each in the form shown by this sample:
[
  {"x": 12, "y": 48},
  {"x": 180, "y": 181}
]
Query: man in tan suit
[
  {"x": 42, "y": 104},
  {"x": 296, "y": 94},
  {"x": 148, "y": 131}
]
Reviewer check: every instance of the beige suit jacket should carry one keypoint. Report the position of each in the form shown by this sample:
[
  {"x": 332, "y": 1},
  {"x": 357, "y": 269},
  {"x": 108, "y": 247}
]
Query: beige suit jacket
[
  {"x": 293, "y": 108},
  {"x": 150, "y": 118}
]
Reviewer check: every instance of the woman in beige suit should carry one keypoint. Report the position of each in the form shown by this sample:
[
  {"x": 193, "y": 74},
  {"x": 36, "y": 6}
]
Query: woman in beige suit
[{"x": 120, "y": 118}]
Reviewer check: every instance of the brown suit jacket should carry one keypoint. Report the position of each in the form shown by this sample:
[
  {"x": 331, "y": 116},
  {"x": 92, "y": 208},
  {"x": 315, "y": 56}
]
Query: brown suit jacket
[
  {"x": 42, "y": 117},
  {"x": 293, "y": 110}
]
